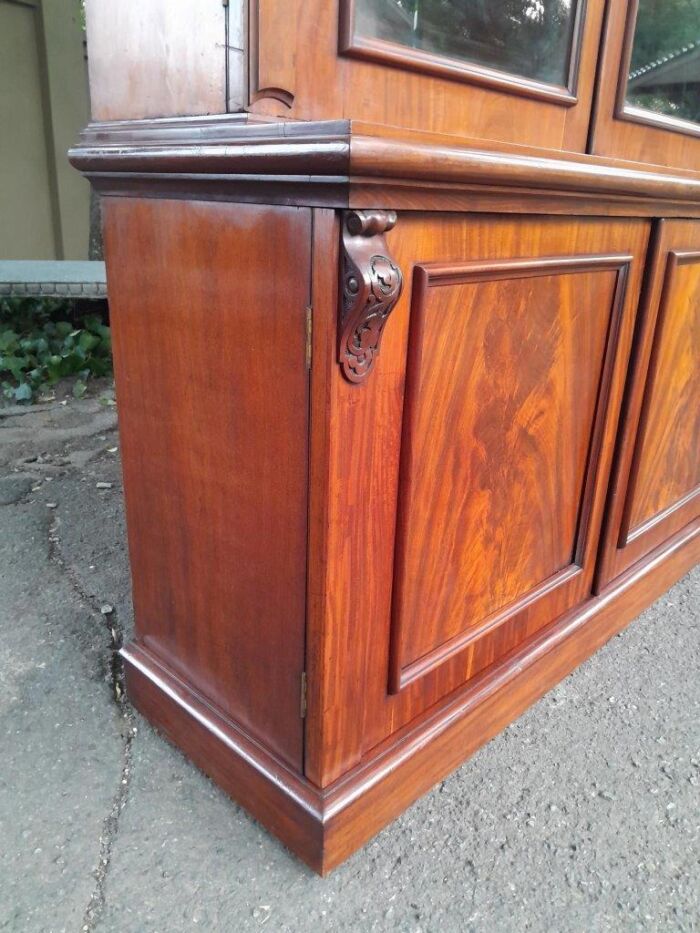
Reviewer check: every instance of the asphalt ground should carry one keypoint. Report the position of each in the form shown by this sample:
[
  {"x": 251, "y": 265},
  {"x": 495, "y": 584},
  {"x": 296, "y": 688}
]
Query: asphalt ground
[{"x": 582, "y": 816}]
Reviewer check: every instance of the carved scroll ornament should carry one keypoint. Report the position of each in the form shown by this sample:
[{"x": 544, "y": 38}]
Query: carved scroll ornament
[{"x": 370, "y": 286}]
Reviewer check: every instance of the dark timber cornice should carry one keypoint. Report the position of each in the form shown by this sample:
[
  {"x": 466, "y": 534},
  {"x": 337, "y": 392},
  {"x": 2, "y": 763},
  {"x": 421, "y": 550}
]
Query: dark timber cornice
[{"x": 343, "y": 164}]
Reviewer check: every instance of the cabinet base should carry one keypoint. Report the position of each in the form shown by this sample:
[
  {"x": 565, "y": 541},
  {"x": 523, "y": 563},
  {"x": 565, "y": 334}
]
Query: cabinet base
[{"x": 324, "y": 826}]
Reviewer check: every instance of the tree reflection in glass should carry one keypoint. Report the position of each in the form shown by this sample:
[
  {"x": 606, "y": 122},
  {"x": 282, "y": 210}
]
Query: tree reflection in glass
[
  {"x": 529, "y": 38},
  {"x": 665, "y": 65}
]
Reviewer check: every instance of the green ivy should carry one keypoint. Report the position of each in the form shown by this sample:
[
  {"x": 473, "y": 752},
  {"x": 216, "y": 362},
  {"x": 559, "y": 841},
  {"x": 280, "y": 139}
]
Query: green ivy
[{"x": 38, "y": 347}]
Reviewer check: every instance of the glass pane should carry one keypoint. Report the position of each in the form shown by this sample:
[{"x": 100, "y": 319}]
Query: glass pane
[
  {"x": 665, "y": 65},
  {"x": 530, "y": 38}
]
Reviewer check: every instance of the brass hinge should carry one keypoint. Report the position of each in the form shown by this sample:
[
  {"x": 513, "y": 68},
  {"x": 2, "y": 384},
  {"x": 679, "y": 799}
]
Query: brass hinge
[
  {"x": 302, "y": 704},
  {"x": 309, "y": 315}
]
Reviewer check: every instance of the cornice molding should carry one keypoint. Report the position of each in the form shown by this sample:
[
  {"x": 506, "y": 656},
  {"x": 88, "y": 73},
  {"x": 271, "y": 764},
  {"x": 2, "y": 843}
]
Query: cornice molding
[{"x": 323, "y": 162}]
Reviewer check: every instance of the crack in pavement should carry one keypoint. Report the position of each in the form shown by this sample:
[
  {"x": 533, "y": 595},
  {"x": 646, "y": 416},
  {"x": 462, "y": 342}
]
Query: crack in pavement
[
  {"x": 110, "y": 828},
  {"x": 110, "y": 825}
]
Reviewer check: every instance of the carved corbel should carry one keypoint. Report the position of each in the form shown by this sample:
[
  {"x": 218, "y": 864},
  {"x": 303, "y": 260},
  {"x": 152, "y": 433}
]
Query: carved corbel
[{"x": 370, "y": 286}]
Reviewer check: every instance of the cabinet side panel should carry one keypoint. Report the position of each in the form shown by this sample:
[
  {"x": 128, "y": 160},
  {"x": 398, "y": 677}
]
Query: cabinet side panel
[
  {"x": 208, "y": 313},
  {"x": 157, "y": 59}
]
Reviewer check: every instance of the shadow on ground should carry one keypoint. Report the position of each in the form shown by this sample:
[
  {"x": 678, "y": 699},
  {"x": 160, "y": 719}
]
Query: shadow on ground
[{"x": 582, "y": 816}]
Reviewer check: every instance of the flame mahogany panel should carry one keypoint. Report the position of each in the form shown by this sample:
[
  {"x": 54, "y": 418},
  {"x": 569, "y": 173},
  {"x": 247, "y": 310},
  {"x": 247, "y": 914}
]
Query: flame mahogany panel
[
  {"x": 656, "y": 485},
  {"x": 354, "y": 501},
  {"x": 208, "y": 307},
  {"x": 501, "y": 441}
]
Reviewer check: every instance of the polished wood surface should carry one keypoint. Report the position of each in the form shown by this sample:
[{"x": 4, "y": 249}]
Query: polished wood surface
[
  {"x": 264, "y": 784},
  {"x": 151, "y": 60},
  {"x": 322, "y": 641},
  {"x": 343, "y": 163},
  {"x": 214, "y": 436},
  {"x": 358, "y": 501},
  {"x": 656, "y": 485},
  {"x": 388, "y": 478},
  {"x": 666, "y": 466},
  {"x": 323, "y": 83},
  {"x": 617, "y": 132},
  {"x": 324, "y": 827},
  {"x": 504, "y": 378},
  {"x": 386, "y": 782}
]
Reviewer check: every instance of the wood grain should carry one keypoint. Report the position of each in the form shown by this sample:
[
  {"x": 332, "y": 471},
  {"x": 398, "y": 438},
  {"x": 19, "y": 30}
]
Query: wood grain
[
  {"x": 339, "y": 162},
  {"x": 151, "y": 60},
  {"x": 418, "y": 546},
  {"x": 655, "y": 489},
  {"x": 359, "y": 499},
  {"x": 270, "y": 76},
  {"x": 500, "y": 408},
  {"x": 321, "y": 578},
  {"x": 381, "y": 787},
  {"x": 325, "y": 83},
  {"x": 214, "y": 435},
  {"x": 629, "y": 133},
  {"x": 266, "y": 786},
  {"x": 324, "y": 827},
  {"x": 666, "y": 465}
]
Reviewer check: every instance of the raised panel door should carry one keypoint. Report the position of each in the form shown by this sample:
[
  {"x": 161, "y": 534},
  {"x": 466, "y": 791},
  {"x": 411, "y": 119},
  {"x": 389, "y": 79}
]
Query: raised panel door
[
  {"x": 656, "y": 488},
  {"x": 508, "y": 377},
  {"x": 458, "y": 491}
]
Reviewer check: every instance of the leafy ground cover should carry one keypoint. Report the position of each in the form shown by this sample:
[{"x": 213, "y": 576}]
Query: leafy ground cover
[{"x": 43, "y": 341}]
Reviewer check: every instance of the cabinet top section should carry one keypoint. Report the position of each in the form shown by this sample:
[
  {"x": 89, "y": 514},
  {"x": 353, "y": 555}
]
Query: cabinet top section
[
  {"x": 351, "y": 164},
  {"x": 605, "y": 77}
]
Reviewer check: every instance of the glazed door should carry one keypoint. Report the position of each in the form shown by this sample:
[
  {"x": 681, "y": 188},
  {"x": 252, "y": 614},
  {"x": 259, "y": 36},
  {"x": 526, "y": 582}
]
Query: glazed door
[
  {"x": 482, "y": 443},
  {"x": 648, "y": 90},
  {"x": 656, "y": 489},
  {"x": 518, "y": 72}
]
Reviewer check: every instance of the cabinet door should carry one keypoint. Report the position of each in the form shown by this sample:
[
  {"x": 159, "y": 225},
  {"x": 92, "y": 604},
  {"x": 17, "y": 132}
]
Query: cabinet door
[
  {"x": 648, "y": 94},
  {"x": 516, "y": 71},
  {"x": 656, "y": 486},
  {"x": 507, "y": 396},
  {"x": 469, "y": 470}
]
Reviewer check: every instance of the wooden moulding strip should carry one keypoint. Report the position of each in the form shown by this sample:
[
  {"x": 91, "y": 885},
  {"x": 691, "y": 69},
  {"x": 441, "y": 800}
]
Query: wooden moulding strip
[
  {"x": 393, "y": 159},
  {"x": 254, "y": 152},
  {"x": 283, "y": 801},
  {"x": 324, "y": 826}
]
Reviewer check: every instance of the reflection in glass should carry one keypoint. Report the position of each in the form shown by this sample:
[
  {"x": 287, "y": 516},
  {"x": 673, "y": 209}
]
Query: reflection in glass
[
  {"x": 530, "y": 38},
  {"x": 665, "y": 64}
]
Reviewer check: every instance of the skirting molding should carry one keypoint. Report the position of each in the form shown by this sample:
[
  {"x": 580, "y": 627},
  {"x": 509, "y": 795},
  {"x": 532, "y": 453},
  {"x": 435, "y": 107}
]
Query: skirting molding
[{"x": 325, "y": 825}]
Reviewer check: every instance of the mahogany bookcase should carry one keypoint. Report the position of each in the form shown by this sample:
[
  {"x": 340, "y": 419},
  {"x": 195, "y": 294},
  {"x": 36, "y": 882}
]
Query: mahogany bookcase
[{"x": 406, "y": 353}]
